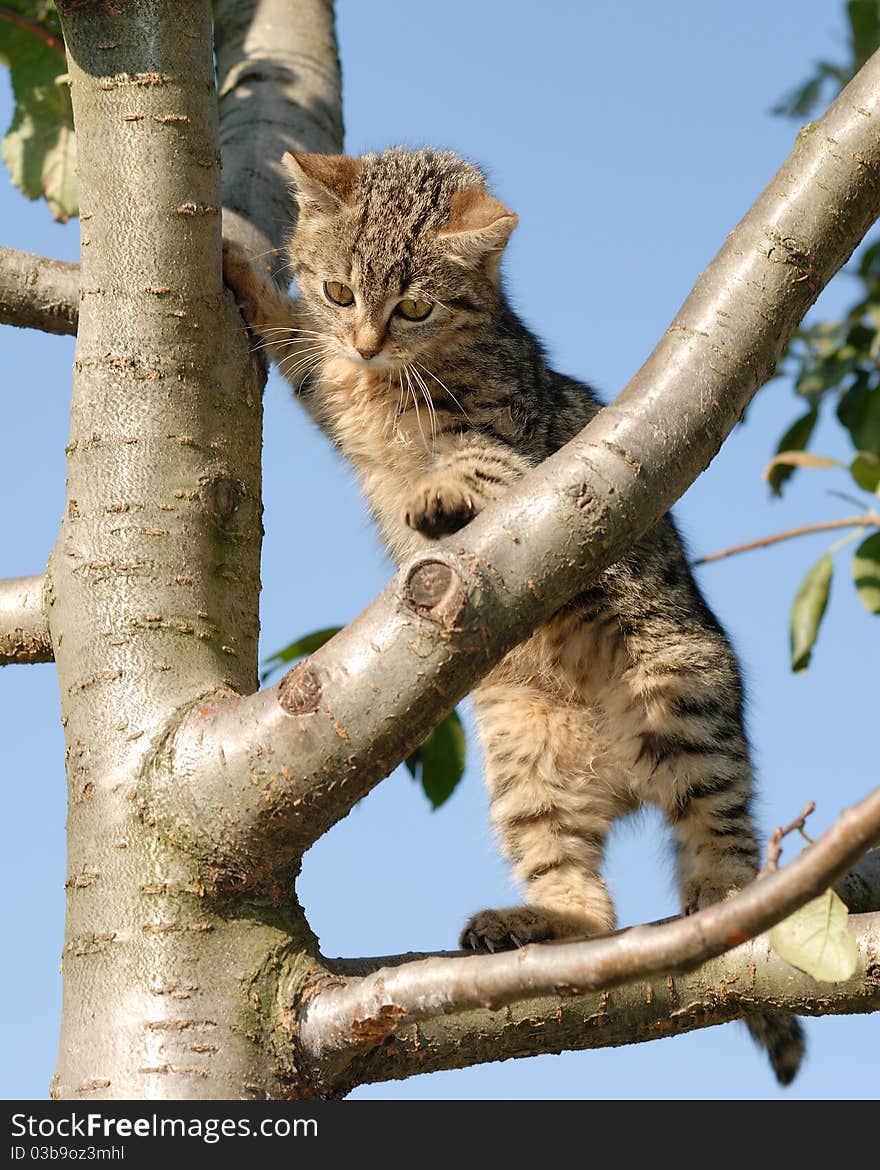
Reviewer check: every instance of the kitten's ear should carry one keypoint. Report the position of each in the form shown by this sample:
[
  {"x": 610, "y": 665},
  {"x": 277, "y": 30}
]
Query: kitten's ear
[
  {"x": 322, "y": 182},
  {"x": 478, "y": 225}
]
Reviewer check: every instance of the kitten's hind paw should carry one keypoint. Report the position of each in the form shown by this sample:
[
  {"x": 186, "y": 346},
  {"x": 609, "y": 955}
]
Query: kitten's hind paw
[
  {"x": 697, "y": 895},
  {"x": 502, "y": 930}
]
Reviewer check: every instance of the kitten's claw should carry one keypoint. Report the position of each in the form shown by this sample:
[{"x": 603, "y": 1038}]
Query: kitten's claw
[
  {"x": 436, "y": 511},
  {"x": 505, "y": 930},
  {"x": 517, "y": 926}
]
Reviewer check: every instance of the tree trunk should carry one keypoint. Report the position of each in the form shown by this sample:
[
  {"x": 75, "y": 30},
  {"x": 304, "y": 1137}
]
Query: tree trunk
[{"x": 154, "y": 581}]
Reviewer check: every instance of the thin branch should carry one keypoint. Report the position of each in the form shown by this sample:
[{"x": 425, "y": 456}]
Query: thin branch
[
  {"x": 33, "y": 26},
  {"x": 868, "y": 520},
  {"x": 751, "y": 979},
  {"x": 24, "y": 629},
  {"x": 774, "y": 845},
  {"x": 361, "y": 1014},
  {"x": 292, "y": 760},
  {"x": 38, "y": 293},
  {"x": 862, "y": 896}
]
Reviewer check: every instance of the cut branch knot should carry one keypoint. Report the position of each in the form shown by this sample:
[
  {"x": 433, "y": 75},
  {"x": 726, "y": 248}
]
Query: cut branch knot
[
  {"x": 299, "y": 692},
  {"x": 435, "y": 590}
]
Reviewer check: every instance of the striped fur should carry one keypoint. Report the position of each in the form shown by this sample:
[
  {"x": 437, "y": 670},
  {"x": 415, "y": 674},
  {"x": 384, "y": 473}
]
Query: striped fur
[{"x": 631, "y": 694}]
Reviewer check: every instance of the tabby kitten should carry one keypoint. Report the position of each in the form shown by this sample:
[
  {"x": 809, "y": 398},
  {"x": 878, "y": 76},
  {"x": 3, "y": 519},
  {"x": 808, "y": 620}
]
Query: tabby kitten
[{"x": 406, "y": 352}]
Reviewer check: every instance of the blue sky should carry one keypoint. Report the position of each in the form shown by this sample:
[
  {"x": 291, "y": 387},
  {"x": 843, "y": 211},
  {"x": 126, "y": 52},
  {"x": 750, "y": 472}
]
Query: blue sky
[{"x": 629, "y": 139}]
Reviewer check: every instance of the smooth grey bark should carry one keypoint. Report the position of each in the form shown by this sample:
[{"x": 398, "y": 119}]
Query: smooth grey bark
[
  {"x": 24, "y": 628},
  {"x": 340, "y": 1024},
  {"x": 154, "y": 580},
  {"x": 279, "y": 85},
  {"x": 38, "y": 293},
  {"x": 250, "y": 783}
]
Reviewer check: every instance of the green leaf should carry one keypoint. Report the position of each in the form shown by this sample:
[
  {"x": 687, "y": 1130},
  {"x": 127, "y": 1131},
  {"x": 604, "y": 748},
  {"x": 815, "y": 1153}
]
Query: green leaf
[
  {"x": 859, "y": 411},
  {"x": 865, "y": 470},
  {"x": 869, "y": 261},
  {"x": 795, "y": 439},
  {"x": 808, "y": 610},
  {"x": 439, "y": 762},
  {"x": 308, "y": 644},
  {"x": 861, "y": 338},
  {"x": 827, "y": 364},
  {"x": 815, "y": 939},
  {"x": 40, "y": 147},
  {"x": 802, "y": 101},
  {"x": 866, "y": 572},
  {"x": 864, "y": 20}
]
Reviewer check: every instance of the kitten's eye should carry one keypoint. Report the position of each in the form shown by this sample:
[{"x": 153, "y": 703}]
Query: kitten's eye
[
  {"x": 413, "y": 310},
  {"x": 339, "y": 294}
]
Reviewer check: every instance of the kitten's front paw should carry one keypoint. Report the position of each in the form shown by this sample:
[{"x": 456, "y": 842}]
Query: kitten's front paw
[
  {"x": 438, "y": 509},
  {"x": 502, "y": 930},
  {"x": 245, "y": 282}
]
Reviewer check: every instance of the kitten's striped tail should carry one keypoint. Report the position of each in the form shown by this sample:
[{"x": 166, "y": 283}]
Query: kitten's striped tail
[{"x": 783, "y": 1039}]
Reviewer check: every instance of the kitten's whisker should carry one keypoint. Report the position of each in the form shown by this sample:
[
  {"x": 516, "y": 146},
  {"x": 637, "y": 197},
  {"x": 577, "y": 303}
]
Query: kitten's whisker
[
  {"x": 429, "y": 402},
  {"x": 301, "y": 351},
  {"x": 299, "y": 377},
  {"x": 415, "y": 402},
  {"x": 399, "y": 411},
  {"x": 290, "y": 329},
  {"x": 445, "y": 388},
  {"x": 292, "y": 364},
  {"x": 268, "y": 252},
  {"x": 299, "y": 343},
  {"x": 308, "y": 374},
  {"x": 290, "y": 371}
]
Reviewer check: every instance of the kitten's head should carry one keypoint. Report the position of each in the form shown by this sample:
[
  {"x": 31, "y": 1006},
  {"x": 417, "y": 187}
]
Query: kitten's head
[{"x": 395, "y": 254}]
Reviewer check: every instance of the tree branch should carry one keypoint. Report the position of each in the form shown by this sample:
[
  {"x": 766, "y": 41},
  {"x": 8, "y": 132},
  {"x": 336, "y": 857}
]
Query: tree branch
[
  {"x": 337, "y": 1023},
  {"x": 279, "y": 89},
  {"x": 868, "y": 520},
  {"x": 24, "y": 627},
  {"x": 749, "y": 980},
  {"x": 37, "y": 293},
  {"x": 292, "y": 760}
]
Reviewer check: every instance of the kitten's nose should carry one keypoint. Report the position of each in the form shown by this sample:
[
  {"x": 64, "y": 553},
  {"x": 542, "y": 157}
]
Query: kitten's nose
[{"x": 367, "y": 340}]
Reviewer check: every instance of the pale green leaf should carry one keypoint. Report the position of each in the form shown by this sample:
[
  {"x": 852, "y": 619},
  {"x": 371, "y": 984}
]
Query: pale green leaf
[
  {"x": 40, "y": 146},
  {"x": 808, "y": 610},
  {"x": 866, "y": 572},
  {"x": 816, "y": 939},
  {"x": 798, "y": 459}
]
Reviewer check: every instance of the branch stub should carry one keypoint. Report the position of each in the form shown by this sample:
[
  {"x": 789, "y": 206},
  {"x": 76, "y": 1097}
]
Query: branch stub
[
  {"x": 435, "y": 590},
  {"x": 299, "y": 692}
]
